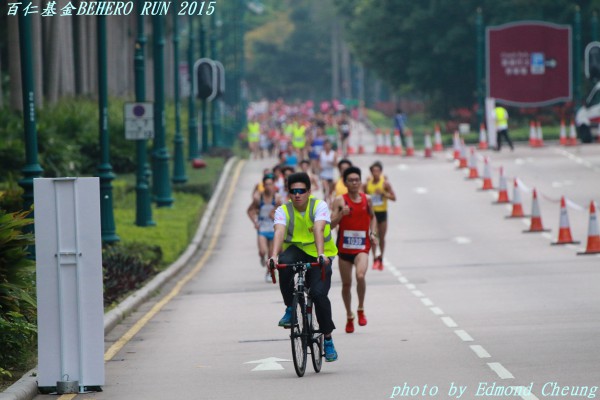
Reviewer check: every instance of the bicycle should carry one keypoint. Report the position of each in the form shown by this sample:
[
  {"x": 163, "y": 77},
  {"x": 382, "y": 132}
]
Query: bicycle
[{"x": 304, "y": 329}]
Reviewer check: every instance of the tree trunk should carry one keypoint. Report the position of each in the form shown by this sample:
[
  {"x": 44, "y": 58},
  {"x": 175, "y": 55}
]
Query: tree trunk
[
  {"x": 52, "y": 58},
  {"x": 14, "y": 65},
  {"x": 335, "y": 63},
  {"x": 66, "y": 67},
  {"x": 92, "y": 56},
  {"x": 81, "y": 51}
]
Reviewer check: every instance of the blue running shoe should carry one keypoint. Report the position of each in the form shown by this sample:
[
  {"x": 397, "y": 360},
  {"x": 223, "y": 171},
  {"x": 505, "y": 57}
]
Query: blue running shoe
[
  {"x": 286, "y": 320},
  {"x": 330, "y": 353}
]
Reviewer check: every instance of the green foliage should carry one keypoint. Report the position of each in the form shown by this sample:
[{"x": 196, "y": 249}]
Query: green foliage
[
  {"x": 428, "y": 48},
  {"x": 17, "y": 289},
  {"x": 11, "y": 199},
  {"x": 126, "y": 267}
]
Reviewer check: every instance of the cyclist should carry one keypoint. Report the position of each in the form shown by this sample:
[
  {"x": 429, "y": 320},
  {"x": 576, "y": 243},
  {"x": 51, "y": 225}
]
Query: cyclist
[
  {"x": 261, "y": 212},
  {"x": 381, "y": 191},
  {"x": 353, "y": 212},
  {"x": 303, "y": 233}
]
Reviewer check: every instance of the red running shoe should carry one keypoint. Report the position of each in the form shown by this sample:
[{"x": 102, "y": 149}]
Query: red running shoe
[
  {"x": 376, "y": 263},
  {"x": 350, "y": 325},
  {"x": 362, "y": 319}
]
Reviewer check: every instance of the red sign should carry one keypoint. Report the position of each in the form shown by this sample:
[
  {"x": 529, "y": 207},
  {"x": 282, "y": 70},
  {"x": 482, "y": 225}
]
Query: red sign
[{"x": 529, "y": 63}]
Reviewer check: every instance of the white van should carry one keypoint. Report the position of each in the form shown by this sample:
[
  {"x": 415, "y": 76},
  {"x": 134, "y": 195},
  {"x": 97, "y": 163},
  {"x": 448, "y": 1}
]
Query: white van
[{"x": 587, "y": 117}]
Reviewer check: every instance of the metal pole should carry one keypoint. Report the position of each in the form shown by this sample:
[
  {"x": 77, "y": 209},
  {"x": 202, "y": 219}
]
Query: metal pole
[
  {"x": 577, "y": 55},
  {"x": 480, "y": 54},
  {"x": 104, "y": 169},
  {"x": 192, "y": 121},
  {"x": 32, "y": 168},
  {"x": 594, "y": 26},
  {"x": 160, "y": 155},
  {"x": 205, "y": 144},
  {"x": 214, "y": 109},
  {"x": 143, "y": 206},
  {"x": 178, "y": 163}
]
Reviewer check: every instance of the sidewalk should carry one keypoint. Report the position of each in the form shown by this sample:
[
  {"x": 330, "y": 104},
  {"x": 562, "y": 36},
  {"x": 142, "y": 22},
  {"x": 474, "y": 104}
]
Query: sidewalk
[{"x": 26, "y": 387}]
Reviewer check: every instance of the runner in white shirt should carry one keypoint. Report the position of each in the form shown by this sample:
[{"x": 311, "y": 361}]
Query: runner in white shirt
[{"x": 327, "y": 164}]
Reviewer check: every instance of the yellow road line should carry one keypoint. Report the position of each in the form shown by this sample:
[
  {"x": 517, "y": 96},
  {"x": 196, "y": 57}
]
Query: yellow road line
[
  {"x": 118, "y": 345},
  {"x": 123, "y": 340}
]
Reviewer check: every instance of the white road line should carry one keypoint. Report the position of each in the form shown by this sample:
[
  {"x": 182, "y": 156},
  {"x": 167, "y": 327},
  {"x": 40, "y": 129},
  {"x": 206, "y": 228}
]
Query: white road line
[
  {"x": 462, "y": 240},
  {"x": 508, "y": 208},
  {"x": 418, "y": 293},
  {"x": 526, "y": 221},
  {"x": 410, "y": 286},
  {"x": 449, "y": 322},
  {"x": 480, "y": 351},
  {"x": 437, "y": 311},
  {"x": 463, "y": 335},
  {"x": 395, "y": 273},
  {"x": 426, "y": 302},
  {"x": 547, "y": 235},
  {"x": 402, "y": 280},
  {"x": 502, "y": 372}
]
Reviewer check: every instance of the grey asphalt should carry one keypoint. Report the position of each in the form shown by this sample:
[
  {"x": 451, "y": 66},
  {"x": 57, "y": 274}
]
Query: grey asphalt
[{"x": 465, "y": 300}]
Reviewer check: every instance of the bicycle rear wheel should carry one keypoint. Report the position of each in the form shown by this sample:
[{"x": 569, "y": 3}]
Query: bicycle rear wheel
[
  {"x": 298, "y": 335},
  {"x": 316, "y": 343}
]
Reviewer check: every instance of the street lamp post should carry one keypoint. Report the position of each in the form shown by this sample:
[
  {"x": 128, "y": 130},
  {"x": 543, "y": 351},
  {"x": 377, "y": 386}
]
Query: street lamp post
[
  {"x": 161, "y": 185},
  {"x": 179, "y": 163},
  {"x": 104, "y": 169},
  {"x": 143, "y": 209},
  {"x": 204, "y": 101},
  {"x": 192, "y": 121},
  {"x": 32, "y": 168}
]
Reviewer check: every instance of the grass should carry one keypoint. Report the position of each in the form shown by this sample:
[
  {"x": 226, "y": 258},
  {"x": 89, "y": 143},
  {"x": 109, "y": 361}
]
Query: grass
[{"x": 175, "y": 225}]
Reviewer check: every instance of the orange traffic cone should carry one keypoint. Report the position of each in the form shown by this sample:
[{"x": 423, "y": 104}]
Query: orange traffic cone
[
  {"x": 462, "y": 159},
  {"x": 428, "y": 146},
  {"x": 517, "y": 209},
  {"x": 593, "y": 241},
  {"x": 562, "y": 140},
  {"x": 483, "y": 144},
  {"x": 532, "y": 134},
  {"x": 437, "y": 139},
  {"x": 564, "y": 230},
  {"x": 487, "y": 176},
  {"x": 502, "y": 189},
  {"x": 410, "y": 145},
  {"x": 350, "y": 150},
  {"x": 539, "y": 135},
  {"x": 572, "y": 134},
  {"x": 361, "y": 147},
  {"x": 456, "y": 145},
  {"x": 397, "y": 143},
  {"x": 379, "y": 141},
  {"x": 387, "y": 140},
  {"x": 536, "y": 217},
  {"x": 473, "y": 174}
]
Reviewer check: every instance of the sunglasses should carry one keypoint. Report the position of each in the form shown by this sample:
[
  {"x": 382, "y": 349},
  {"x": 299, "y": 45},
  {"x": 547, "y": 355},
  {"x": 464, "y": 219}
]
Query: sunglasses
[{"x": 298, "y": 191}]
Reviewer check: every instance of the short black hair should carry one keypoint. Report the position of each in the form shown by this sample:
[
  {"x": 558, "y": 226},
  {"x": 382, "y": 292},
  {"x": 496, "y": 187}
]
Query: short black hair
[
  {"x": 266, "y": 177},
  {"x": 298, "y": 177},
  {"x": 376, "y": 164},
  {"x": 351, "y": 170},
  {"x": 344, "y": 161},
  {"x": 305, "y": 161}
]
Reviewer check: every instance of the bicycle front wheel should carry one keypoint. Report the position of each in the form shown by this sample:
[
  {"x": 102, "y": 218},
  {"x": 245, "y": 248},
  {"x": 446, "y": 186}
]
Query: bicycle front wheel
[
  {"x": 316, "y": 343},
  {"x": 298, "y": 335}
]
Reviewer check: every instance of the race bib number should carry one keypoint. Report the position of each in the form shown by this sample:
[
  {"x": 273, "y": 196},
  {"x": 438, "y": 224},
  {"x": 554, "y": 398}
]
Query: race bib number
[
  {"x": 355, "y": 240},
  {"x": 377, "y": 200}
]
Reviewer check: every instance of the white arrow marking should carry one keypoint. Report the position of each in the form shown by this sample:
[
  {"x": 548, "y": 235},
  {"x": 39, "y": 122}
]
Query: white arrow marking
[
  {"x": 420, "y": 190},
  {"x": 268, "y": 364},
  {"x": 462, "y": 240}
]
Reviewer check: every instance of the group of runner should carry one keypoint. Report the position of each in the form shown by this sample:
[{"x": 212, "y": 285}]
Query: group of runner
[{"x": 358, "y": 209}]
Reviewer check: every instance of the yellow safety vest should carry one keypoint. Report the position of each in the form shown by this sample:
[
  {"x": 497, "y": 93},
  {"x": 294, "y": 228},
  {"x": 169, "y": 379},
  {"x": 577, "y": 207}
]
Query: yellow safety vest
[
  {"x": 501, "y": 117},
  {"x": 300, "y": 230},
  {"x": 253, "y": 132},
  {"x": 379, "y": 202},
  {"x": 298, "y": 136}
]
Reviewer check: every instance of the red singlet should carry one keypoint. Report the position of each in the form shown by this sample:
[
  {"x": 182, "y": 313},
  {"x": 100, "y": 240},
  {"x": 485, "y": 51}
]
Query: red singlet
[{"x": 353, "y": 236}]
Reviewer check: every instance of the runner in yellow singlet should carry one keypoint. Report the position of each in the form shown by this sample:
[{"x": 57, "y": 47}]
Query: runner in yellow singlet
[
  {"x": 380, "y": 190},
  {"x": 340, "y": 186}
]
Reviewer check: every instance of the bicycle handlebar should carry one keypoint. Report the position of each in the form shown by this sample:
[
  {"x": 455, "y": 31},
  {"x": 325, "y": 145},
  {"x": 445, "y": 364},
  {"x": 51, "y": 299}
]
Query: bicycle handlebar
[{"x": 272, "y": 267}]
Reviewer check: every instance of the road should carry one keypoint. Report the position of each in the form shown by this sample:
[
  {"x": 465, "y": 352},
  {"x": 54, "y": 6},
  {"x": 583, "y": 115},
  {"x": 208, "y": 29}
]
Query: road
[{"x": 467, "y": 304}]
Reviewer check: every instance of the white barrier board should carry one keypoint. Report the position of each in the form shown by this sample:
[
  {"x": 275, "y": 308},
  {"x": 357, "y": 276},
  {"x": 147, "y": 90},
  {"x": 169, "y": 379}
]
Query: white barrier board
[{"x": 69, "y": 281}]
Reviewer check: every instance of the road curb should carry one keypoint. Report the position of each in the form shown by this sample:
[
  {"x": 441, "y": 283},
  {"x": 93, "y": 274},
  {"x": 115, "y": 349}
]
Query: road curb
[{"x": 26, "y": 387}]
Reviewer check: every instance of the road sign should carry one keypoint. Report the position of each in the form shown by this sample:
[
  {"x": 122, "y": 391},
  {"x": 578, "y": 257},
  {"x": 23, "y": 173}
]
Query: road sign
[
  {"x": 529, "y": 63},
  {"x": 139, "y": 121}
]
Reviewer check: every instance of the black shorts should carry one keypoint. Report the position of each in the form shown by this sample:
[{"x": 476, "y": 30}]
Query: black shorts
[
  {"x": 381, "y": 216},
  {"x": 347, "y": 257}
]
